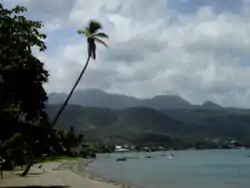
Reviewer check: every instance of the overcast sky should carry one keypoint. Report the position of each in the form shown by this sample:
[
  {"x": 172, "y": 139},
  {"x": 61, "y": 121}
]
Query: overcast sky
[{"x": 198, "y": 49}]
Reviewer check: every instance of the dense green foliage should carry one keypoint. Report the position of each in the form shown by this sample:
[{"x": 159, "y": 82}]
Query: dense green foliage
[
  {"x": 24, "y": 122},
  {"x": 144, "y": 126},
  {"x": 21, "y": 72},
  {"x": 25, "y": 131}
]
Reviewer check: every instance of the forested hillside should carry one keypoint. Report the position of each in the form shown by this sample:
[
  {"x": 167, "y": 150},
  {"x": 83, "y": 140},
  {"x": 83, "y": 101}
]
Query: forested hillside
[{"x": 144, "y": 125}]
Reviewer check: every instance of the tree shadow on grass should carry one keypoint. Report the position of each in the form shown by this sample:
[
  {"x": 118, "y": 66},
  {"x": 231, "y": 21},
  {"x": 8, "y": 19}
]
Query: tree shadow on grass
[{"x": 41, "y": 187}]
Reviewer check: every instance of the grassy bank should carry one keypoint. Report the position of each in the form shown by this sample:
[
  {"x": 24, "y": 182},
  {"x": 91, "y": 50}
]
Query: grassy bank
[{"x": 56, "y": 159}]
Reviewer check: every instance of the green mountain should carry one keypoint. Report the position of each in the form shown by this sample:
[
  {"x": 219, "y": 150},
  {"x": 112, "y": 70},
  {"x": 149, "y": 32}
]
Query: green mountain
[
  {"x": 147, "y": 126},
  {"x": 101, "y": 99}
]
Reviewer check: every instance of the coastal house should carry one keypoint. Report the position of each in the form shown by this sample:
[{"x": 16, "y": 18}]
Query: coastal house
[
  {"x": 120, "y": 149},
  {"x": 146, "y": 149}
]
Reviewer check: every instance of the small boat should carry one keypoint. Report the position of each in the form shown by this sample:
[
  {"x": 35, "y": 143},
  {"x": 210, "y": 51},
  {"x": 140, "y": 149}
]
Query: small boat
[
  {"x": 148, "y": 156},
  {"x": 170, "y": 156},
  {"x": 121, "y": 159}
]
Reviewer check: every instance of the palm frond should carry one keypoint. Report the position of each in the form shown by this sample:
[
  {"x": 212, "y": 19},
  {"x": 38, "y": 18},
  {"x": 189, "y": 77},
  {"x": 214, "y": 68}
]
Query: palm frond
[
  {"x": 81, "y": 31},
  {"x": 94, "y": 26},
  {"x": 100, "y": 41},
  {"x": 102, "y": 35},
  {"x": 84, "y": 32}
]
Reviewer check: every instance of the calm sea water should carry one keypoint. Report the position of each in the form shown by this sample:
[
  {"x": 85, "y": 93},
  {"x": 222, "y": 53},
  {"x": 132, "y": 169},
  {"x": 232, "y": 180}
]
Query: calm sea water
[{"x": 186, "y": 169}]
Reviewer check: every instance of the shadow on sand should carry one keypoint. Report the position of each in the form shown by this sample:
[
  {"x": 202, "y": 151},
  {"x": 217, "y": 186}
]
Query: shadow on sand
[{"x": 41, "y": 187}]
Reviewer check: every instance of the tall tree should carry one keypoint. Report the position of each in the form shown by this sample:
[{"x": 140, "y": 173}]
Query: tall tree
[
  {"x": 22, "y": 75},
  {"x": 91, "y": 32}
]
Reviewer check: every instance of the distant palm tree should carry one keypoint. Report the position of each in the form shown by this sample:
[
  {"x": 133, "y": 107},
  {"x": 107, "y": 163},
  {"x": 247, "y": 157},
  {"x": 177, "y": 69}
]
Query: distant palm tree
[{"x": 93, "y": 35}]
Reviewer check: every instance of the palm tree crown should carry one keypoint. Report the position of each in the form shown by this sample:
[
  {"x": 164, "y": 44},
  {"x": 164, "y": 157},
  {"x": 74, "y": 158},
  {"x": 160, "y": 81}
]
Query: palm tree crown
[{"x": 93, "y": 35}]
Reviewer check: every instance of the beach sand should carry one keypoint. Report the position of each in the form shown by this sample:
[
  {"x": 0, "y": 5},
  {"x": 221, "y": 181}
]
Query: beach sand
[{"x": 58, "y": 174}]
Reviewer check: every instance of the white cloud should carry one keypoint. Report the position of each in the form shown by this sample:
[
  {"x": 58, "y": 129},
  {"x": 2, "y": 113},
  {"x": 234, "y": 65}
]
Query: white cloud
[{"x": 200, "y": 56}]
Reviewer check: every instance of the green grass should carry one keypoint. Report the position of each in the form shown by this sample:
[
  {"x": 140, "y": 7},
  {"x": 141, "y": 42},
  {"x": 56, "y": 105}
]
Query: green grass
[{"x": 57, "y": 158}]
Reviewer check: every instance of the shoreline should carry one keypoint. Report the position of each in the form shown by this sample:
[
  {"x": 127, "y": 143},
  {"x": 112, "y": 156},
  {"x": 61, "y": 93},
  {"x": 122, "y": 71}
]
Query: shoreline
[
  {"x": 80, "y": 167},
  {"x": 61, "y": 174}
]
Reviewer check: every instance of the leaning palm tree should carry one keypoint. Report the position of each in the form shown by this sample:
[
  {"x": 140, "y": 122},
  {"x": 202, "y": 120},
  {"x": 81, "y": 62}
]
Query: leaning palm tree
[{"x": 91, "y": 32}]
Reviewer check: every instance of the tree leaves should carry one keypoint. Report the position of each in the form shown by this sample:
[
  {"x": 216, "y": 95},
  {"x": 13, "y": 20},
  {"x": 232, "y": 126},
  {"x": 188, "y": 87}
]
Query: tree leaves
[
  {"x": 94, "y": 26},
  {"x": 22, "y": 72},
  {"x": 102, "y": 35},
  {"x": 100, "y": 41},
  {"x": 92, "y": 34}
]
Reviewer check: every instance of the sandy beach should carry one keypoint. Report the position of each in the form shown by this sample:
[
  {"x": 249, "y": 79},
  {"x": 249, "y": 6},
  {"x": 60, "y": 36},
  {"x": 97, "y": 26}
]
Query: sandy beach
[{"x": 57, "y": 174}]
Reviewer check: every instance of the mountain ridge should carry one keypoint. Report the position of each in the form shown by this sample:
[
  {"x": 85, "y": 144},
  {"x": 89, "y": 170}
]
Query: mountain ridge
[{"x": 102, "y": 99}]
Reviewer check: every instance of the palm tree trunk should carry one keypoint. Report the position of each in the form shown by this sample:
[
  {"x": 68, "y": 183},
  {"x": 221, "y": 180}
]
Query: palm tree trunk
[
  {"x": 25, "y": 172},
  {"x": 60, "y": 111},
  {"x": 71, "y": 92}
]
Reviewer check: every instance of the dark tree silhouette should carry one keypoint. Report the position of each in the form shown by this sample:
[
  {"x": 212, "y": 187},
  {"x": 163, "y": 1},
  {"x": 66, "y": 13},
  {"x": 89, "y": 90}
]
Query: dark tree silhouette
[{"x": 22, "y": 76}]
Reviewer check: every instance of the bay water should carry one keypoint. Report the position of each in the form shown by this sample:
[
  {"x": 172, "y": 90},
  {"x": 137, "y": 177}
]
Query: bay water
[{"x": 177, "y": 169}]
